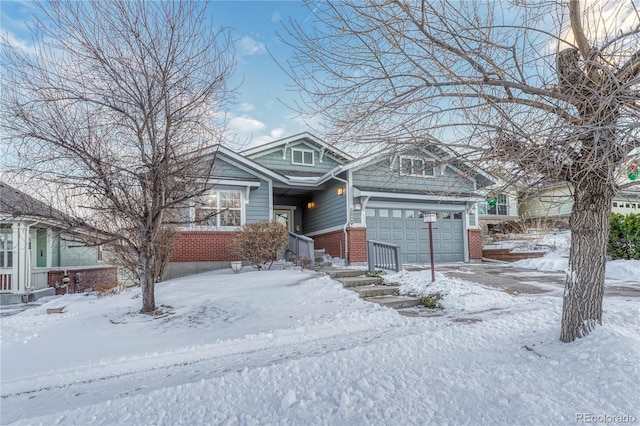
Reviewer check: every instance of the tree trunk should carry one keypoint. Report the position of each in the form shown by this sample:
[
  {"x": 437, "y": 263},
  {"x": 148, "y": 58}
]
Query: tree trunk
[
  {"x": 584, "y": 283},
  {"x": 147, "y": 283}
]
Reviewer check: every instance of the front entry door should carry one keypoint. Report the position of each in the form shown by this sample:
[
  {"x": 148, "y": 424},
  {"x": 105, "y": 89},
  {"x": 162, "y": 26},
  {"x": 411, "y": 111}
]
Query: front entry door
[{"x": 285, "y": 217}]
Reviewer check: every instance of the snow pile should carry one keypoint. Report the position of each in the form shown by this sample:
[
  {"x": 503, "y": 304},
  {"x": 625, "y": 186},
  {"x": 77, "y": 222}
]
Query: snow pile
[
  {"x": 457, "y": 295},
  {"x": 627, "y": 271}
]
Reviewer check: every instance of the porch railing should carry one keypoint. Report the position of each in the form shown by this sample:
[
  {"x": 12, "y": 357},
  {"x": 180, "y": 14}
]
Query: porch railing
[
  {"x": 301, "y": 247},
  {"x": 5, "y": 282},
  {"x": 383, "y": 256}
]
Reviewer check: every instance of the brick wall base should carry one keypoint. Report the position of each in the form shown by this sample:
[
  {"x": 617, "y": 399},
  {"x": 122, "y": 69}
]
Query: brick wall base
[
  {"x": 475, "y": 244},
  {"x": 87, "y": 278},
  {"x": 333, "y": 244},
  {"x": 202, "y": 246}
]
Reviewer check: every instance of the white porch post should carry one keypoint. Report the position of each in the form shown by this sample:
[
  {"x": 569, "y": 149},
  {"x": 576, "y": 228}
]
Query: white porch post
[
  {"x": 49, "y": 248},
  {"x": 20, "y": 256}
]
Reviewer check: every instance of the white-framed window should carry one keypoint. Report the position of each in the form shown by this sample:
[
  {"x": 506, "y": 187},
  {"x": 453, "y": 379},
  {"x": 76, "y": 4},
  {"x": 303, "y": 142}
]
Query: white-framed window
[
  {"x": 501, "y": 208},
  {"x": 412, "y": 166},
  {"x": 6, "y": 250},
  {"x": 303, "y": 157},
  {"x": 219, "y": 208}
]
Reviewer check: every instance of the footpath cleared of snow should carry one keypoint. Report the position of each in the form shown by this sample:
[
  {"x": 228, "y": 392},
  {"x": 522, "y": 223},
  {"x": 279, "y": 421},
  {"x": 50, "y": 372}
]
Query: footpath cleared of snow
[{"x": 289, "y": 347}]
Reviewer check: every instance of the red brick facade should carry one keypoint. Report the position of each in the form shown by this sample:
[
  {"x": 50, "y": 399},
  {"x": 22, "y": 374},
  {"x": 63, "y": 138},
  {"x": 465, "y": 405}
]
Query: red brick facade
[
  {"x": 202, "y": 246},
  {"x": 333, "y": 243},
  {"x": 87, "y": 278},
  {"x": 207, "y": 246},
  {"x": 475, "y": 244}
]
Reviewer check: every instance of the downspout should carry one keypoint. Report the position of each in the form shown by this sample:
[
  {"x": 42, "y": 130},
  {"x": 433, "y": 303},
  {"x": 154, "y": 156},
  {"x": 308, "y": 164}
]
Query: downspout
[{"x": 344, "y": 228}]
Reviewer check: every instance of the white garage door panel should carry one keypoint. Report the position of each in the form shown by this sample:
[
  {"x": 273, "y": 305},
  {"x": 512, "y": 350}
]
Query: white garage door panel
[{"x": 404, "y": 228}]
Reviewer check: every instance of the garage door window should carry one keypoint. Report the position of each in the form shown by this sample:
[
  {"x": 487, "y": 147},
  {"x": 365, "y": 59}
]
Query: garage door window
[
  {"x": 383, "y": 213},
  {"x": 409, "y": 213},
  {"x": 370, "y": 212},
  {"x": 396, "y": 213}
]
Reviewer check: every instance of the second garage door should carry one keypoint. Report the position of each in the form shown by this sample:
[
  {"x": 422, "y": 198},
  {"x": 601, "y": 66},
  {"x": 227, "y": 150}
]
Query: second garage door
[{"x": 406, "y": 229}]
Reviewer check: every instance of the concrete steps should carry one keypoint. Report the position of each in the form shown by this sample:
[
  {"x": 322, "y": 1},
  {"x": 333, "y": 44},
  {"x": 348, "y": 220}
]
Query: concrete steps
[
  {"x": 395, "y": 302},
  {"x": 372, "y": 289}
]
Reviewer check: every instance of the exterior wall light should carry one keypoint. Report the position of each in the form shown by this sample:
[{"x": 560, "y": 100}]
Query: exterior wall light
[
  {"x": 341, "y": 191},
  {"x": 311, "y": 205}
]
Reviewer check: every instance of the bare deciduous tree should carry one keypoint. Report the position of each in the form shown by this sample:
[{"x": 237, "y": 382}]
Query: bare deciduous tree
[
  {"x": 115, "y": 104},
  {"x": 544, "y": 90}
]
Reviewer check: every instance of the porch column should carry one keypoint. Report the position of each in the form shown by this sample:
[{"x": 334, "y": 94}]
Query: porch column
[
  {"x": 20, "y": 257},
  {"x": 49, "y": 248}
]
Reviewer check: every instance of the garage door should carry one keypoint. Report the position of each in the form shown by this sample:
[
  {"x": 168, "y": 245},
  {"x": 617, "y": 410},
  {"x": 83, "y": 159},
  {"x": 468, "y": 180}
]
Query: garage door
[{"x": 406, "y": 229}]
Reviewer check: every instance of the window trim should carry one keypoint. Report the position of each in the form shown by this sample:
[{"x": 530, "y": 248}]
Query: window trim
[
  {"x": 217, "y": 226},
  {"x": 4, "y": 261},
  {"x": 425, "y": 161},
  {"x": 302, "y": 151},
  {"x": 498, "y": 203}
]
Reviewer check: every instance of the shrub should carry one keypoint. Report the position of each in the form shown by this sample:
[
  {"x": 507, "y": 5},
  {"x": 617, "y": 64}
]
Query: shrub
[
  {"x": 431, "y": 300},
  {"x": 305, "y": 262},
  {"x": 624, "y": 237},
  {"x": 105, "y": 289},
  {"x": 259, "y": 243}
]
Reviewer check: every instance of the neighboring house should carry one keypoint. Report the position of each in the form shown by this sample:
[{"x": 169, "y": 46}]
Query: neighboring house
[
  {"x": 505, "y": 208},
  {"x": 338, "y": 201},
  {"x": 35, "y": 254},
  {"x": 555, "y": 202}
]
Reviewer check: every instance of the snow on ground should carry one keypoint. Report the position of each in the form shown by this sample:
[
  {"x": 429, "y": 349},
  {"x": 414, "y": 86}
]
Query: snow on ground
[
  {"x": 291, "y": 347},
  {"x": 557, "y": 246}
]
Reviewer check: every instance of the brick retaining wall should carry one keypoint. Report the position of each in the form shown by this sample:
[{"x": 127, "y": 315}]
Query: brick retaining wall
[
  {"x": 88, "y": 277},
  {"x": 506, "y": 255}
]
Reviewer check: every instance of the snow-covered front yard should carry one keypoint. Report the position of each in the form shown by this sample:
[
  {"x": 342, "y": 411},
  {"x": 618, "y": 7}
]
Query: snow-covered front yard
[{"x": 292, "y": 347}]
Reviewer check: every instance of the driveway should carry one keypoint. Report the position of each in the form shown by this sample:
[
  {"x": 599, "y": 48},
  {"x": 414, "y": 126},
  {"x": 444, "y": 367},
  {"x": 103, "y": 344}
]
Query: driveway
[{"x": 519, "y": 280}]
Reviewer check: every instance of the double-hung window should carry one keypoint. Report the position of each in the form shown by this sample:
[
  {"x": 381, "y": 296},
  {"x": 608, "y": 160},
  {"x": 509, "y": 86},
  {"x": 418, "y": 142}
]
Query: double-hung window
[
  {"x": 219, "y": 208},
  {"x": 302, "y": 157},
  {"x": 6, "y": 250},
  {"x": 501, "y": 208},
  {"x": 411, "y": 166}
]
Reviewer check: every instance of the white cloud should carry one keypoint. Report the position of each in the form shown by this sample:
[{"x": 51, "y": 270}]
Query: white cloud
[
  {"x": 248, "y": 46},
  {"x": 602, "y": 18},
  {"x": 246, "y": 124},
  {"x": 277, "y": 133},
  {"x": 246, "y": 107},
  {"x": 276, "y": 16}
]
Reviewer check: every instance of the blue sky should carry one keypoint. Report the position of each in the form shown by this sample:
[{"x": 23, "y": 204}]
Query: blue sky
[{"x": 258, "y": 115}]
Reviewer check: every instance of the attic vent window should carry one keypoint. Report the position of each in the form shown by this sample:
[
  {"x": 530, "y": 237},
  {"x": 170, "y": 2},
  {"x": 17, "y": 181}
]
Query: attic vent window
[
  {"x": 302, "y": 157},
  {"x": 410, "y": 166}
]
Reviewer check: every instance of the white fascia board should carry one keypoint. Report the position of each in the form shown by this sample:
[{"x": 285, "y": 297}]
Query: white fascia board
[
  {"x": 234, "y": 182},
  {"x": 418, "y": 197},
  {"x": 277, "y": 144}
]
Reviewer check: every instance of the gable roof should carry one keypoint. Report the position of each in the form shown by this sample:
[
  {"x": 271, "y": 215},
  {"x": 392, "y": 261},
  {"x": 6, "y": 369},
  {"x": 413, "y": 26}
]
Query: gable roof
[
  {"x": 307, "y": 137},
  {"x": 448, "y": 156},
  {"x": 15, "y": 203}
]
